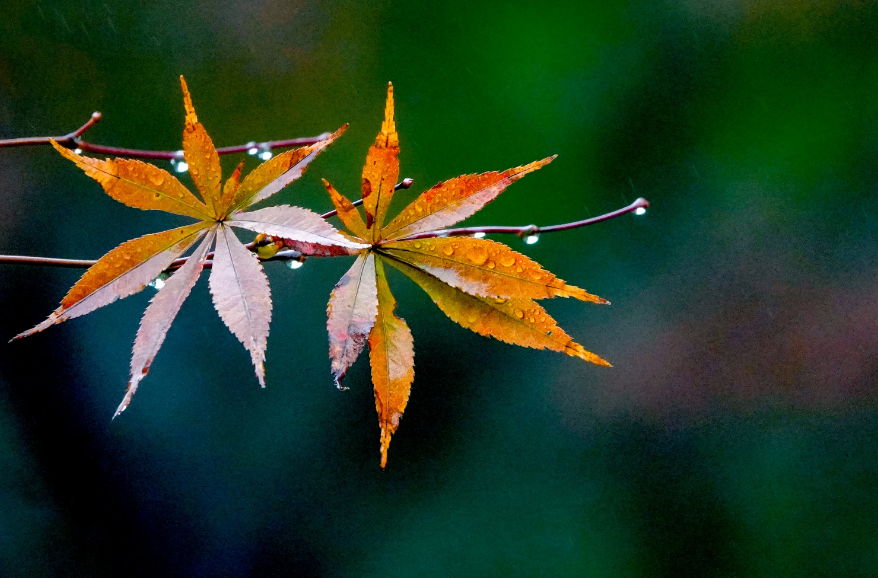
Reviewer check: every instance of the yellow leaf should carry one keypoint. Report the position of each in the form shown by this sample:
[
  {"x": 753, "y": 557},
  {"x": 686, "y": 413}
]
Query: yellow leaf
[
  {"x": 391, "y": 352},
  {"x": 139, "y": 185},
  {"x": 347, "y": 212},
  {"x": 517, "y": 321},
  {"x": 201, "y": 156},
  {"x": 381, "y": 171},
  {"x": 484, "y": 268}
]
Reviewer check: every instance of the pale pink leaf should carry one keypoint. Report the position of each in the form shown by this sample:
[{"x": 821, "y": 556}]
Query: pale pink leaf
[
  {"x": 160, "y": 314},
  {"x": 351, "y": 314},
  {"x": 293, "y": 223},
  {"x": 241, "y": 295}
]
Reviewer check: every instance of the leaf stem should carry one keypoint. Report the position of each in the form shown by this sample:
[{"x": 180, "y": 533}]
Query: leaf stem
[{"x": 73, "y": 140}]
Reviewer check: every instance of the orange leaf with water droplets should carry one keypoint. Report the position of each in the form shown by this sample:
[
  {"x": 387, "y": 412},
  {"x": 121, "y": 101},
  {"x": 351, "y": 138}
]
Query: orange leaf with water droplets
[
  {"x": 517, "y": 321},
  {"x": 454, "y": 200},
  {"x": 231, "y": 186},
  {"x": 381, "y": 171},
  {"x": 347, "y": 212},
  {"x": 139, "y": 185},
  {"x": 392, "y": 356},
  {"x": 484, "y": 268},
  {"x": 124, "y": 271},
  {"x": 276, "y": 173},
  {"x": 201, "y": 156}
]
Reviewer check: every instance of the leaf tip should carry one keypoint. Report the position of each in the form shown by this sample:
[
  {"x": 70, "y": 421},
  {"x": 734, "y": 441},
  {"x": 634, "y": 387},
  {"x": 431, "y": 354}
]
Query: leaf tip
[
  {"x": 385, "y": 445},
  {"x": 191, "y": 117}
]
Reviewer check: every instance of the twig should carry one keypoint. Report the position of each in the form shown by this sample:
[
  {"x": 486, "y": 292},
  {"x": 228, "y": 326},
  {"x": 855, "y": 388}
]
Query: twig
[
  {"x": 529, "y": 230},
  {"x": 74, "y": 140},
  {"x": 290, "y": 255}
]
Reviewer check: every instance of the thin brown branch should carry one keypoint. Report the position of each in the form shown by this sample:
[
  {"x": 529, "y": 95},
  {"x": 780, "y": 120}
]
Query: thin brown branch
[
  {"x": 68, "y": 263},
  {"x": 640, "y": 205},
  {"x": 74, "y": 140},
  {"x": 290, "y": 255}
]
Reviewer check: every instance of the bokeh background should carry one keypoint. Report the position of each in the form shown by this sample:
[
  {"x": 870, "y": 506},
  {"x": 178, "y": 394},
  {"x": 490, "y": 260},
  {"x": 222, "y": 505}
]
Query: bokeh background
[{"x": 736, "y": 434}]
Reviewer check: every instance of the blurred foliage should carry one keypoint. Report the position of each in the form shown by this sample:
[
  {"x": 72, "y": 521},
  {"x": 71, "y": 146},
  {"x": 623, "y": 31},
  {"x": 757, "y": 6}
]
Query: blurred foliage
[{"x": 735, "y": 434}]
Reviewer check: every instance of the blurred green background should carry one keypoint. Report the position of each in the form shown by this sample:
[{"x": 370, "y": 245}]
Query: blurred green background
[{"x": 736, "y": 434}]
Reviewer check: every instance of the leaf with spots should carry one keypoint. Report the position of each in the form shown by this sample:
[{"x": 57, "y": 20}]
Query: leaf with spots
[{"x": 484, "y": 268}]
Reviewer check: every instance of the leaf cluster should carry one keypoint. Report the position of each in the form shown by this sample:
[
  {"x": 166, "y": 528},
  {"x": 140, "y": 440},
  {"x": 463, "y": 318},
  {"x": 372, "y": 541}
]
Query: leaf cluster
[{"x": 482, "y": 285}]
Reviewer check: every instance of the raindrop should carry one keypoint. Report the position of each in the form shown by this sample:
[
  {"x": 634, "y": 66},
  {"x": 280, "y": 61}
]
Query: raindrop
[
  {"x": 479, "y": 235},
  {"x": 77, "y": 150},
  {"x": 179, "y": 166},
  {"x": 640, "y": 211},
  {"x": 252, "y": 149},
  {"x": 265, "y": 155},
  {"x": 531, "y": 239},
  {"x": 159, "y": 281},
  {"x": 293, "y": 264}
]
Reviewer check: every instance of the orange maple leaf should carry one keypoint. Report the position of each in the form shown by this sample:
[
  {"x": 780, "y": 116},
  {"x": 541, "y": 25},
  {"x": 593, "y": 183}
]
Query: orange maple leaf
[
  {"x": 238, "y": 284},
  {"x": 482, "y": 285}
]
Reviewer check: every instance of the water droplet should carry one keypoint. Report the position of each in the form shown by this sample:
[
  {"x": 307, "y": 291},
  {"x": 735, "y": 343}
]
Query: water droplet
[
  {"x": 640, "y": 211},
  {"x": 417, "y": 245},
  {"x": 530, "y": 319},
  {"x": 252, "y": 151},
  {"x": 531, "y": 239},
  {"x": 158, "y": 179},
  {"x": 448, "y": 250},
  {"x": 473, "y": 317},
  {"x": 519, "y": 313},
  {"x": 518, "y": 269},
  {"x": 158, "y": 282},
  {"x": 507, "y": 260},
  {"x": 477, "y": 255},
  {"x": 479, "y": 235},
  {"x": 535, "y": 275},
  {"x": 181, "y": 167},
  {"x": 489, "y": 264},
  {"x": 265, "y": 155},
  {"x": 293, "y": 264},
  {"x": 77, "y": 150}
]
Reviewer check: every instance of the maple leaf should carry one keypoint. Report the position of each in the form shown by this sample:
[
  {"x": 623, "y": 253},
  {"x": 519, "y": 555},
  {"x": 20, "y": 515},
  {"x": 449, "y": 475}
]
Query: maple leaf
[
  {"x": 482, "y": 285},
  {"x": 238, "y": 284}
]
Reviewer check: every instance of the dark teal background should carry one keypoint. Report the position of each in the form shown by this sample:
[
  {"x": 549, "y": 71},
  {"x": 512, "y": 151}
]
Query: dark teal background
[{"x": 737, "y": 434}]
